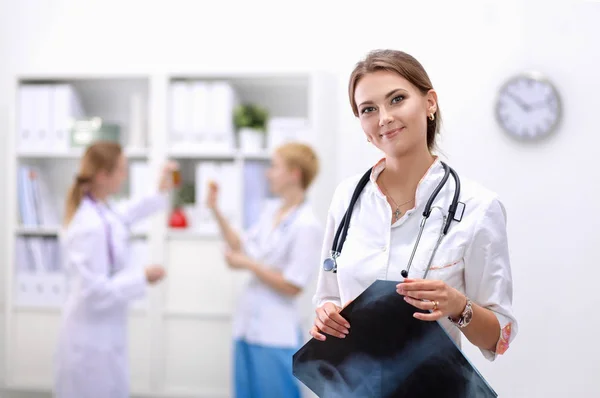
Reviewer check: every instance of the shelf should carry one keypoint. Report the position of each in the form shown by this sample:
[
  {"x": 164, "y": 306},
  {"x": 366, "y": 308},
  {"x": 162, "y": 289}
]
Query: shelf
[
  {"x": 266, "y": 156},
  {"x": 76, "y": 153},
  {"x": 180, "y": 153},
  {"x": 54, "y": 231},
  {"x": 174, "y": 234},
  {"x": 218, "y": 155},
  {"x": 37, "y": 309},
  {"x": 37, "y": 231}
]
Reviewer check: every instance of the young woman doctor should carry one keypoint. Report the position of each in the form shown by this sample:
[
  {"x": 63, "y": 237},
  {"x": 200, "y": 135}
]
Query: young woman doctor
[
  {"x": 92, "y": 349},
  {"x": 469, "y": 285},
  {"x": 281, "y": 251}
]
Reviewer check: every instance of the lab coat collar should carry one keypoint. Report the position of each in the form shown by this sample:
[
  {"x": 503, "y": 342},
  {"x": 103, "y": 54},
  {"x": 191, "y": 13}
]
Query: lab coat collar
[
  {"x": 94, "y": 202},
  {"x": 425, "y": 187},
  {"x": 289, "y": 219}
]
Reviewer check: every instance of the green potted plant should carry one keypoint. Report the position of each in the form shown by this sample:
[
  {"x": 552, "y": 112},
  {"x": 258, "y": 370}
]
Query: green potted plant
[{"x": 250, "y": 121}]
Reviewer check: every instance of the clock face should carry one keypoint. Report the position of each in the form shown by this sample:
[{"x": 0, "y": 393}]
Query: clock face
[{"x": 528, "y": 107}]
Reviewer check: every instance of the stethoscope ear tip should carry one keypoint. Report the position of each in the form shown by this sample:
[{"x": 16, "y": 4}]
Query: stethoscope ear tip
[{"x": 404, "y": 273}]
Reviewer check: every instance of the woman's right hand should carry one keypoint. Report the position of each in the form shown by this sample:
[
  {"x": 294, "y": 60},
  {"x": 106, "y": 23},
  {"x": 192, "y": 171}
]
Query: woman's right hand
[
  {"x": 154, "y": 273},
  {"x": 167, "y": 177},
  {"x": 329, "y": 321},
  {"x": 212, "y": 196}
]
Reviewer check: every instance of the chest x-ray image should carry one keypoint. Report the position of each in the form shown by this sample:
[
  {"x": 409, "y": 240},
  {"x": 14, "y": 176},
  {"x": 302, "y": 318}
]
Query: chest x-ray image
[{"x": 388, "y": 354}]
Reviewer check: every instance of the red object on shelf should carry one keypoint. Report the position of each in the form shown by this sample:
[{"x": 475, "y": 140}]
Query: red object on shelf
[{"x": 178, "y": 219}]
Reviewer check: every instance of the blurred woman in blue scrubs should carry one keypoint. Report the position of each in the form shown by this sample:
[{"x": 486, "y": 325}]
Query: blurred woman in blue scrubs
[{"x": 282, "y": 251}]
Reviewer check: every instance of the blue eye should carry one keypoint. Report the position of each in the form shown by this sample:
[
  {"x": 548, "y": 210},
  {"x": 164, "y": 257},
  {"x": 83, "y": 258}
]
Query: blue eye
[{"x": 397, "y": 99}]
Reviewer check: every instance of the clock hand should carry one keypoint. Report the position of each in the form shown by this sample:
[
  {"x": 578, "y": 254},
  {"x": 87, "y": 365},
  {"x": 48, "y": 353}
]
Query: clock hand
[{"x": 520, "y": 102}]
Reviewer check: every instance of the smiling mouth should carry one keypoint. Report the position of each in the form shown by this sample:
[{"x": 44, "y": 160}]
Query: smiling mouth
[{"x": 391, "y": 133}]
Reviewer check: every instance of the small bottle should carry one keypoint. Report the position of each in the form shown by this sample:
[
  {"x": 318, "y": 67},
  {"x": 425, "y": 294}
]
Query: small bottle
[{"x": 176, "y": 177}]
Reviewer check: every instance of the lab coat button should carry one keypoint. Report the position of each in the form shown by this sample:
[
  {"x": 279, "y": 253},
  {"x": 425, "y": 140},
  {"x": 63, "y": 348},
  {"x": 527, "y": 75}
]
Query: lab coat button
[{"x": 384, "y": 248}]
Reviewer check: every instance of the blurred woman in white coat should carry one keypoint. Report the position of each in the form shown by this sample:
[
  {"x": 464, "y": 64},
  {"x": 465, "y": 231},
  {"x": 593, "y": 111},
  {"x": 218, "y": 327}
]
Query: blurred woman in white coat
[{"x": 92, "y": 349}]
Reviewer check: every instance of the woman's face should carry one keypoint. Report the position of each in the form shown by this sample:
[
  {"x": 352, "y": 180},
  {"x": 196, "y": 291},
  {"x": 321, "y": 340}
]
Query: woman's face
[
  {"x": 280, "y": 175},
  {"x": 114, "y": 180},
  {"x": 393, "y": 112}
]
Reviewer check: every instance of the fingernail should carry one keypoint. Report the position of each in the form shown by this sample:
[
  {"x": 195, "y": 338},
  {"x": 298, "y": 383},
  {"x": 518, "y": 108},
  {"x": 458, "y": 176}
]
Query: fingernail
[
  {"x": 405, "y": 298},
  {"x": 347, "y": 325}
]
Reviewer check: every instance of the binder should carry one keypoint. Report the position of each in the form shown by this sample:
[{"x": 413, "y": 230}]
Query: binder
[{"x": 388, "y": 354}]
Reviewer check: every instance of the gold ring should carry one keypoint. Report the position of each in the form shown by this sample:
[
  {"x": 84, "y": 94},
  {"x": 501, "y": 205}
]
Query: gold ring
[{"x": 435, "y": 305}]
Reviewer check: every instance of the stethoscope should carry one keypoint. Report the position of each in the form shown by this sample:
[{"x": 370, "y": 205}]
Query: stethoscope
[
  {"x": 108, "y": 230},
  {"x": 330, "y": 263}
]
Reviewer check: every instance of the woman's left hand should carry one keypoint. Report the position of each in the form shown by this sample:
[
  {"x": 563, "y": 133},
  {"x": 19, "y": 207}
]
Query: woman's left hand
[{"x": 431, "y": 295}]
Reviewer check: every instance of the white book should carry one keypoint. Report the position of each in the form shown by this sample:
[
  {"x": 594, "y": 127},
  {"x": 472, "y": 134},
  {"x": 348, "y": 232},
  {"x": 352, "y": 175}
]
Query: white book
[
  {"x": 67, "y": 107},
  {"x": 47, "y": 208},
  {"x": 26, "y": 197},
  {"x": 23, "y": 257},
  {"x": 44, "y": 139},
  {"x": 180, "y": 113},
  {"x": 26, "y": 119},
  {"x": 201, "y": 115},
  {"x": 223, "y": 102},
  {"x": 281, "y": 130}
]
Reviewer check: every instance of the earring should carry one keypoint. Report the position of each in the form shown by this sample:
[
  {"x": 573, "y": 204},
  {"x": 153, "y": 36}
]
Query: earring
[{"x": 432, "y": 117}]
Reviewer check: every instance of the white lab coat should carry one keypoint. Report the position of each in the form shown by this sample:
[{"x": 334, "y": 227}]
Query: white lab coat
[
  {"x": 264, "y": 316},
  {"x": 91, "y": 358},
  {"x": 473, "y": 257}
]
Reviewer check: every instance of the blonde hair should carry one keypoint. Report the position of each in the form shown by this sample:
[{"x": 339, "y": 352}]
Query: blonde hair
[
  {"x": 303, "y": 157},
  {"x": 101, "y": 155}
]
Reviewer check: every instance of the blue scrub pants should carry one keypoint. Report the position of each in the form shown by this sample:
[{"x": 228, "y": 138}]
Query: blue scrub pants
[{"x": 263, "y": 372}]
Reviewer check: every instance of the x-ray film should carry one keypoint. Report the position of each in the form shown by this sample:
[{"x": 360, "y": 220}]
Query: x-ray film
[{"x": 388, "y": 354}]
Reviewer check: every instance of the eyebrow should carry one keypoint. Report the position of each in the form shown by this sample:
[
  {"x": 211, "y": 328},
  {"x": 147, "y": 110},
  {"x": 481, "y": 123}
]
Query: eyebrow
[{"x": 388, "y": 95}]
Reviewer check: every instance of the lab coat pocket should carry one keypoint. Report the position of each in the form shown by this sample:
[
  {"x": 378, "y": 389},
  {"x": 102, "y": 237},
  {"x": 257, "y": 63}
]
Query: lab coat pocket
[{"x": 448, "y": 265}]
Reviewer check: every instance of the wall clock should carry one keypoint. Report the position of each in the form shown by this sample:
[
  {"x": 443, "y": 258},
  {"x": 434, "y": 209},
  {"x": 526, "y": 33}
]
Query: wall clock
[{"x": 528, "y": 107}]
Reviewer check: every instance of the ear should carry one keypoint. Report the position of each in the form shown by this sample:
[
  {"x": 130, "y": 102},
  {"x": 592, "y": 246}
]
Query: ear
[
  {"x": 101, "y": 176},
  {"x": 431, "y": 98},
  {"x": 297, "y": 173}
]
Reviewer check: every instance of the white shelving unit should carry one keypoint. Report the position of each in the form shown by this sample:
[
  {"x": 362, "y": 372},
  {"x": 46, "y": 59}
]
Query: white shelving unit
[{"x": 180, "y": 338}]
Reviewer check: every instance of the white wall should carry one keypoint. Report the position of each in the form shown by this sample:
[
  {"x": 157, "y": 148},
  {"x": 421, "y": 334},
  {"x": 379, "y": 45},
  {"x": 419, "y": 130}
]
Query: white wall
[{"x": 549, "y": 188}]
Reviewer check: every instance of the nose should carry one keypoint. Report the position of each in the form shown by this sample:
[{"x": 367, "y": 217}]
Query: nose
[{"x": 384, "y": 117}]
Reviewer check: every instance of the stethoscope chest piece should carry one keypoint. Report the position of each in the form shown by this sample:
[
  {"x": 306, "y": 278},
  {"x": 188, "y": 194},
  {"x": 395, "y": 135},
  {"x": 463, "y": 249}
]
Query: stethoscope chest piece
[{"x": 330, "y": 263}]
